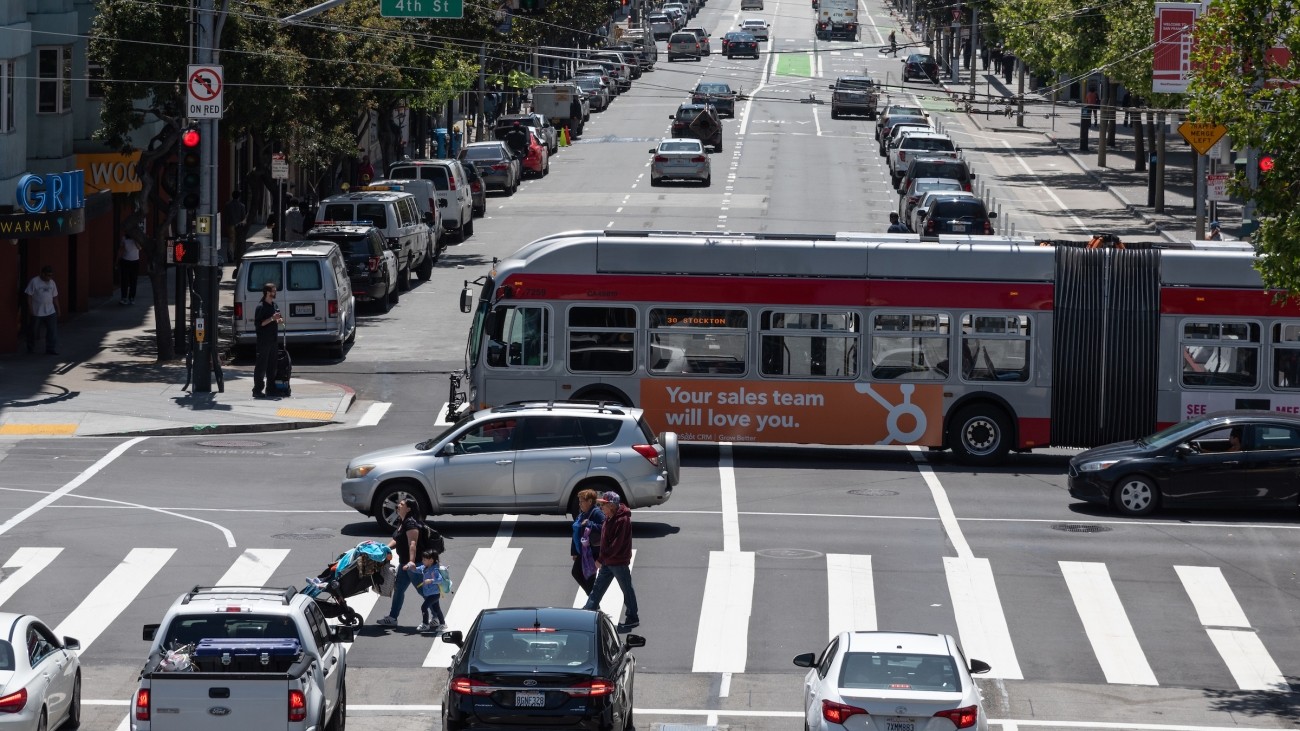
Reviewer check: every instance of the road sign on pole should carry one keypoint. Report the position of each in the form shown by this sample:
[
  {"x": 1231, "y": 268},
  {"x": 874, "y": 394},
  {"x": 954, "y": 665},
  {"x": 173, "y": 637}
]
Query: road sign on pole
[
  {"x": 204, "y": 91},
  {"x": 422, "y": 8},
  {"x": 1216, "y": 186},
  {"x": 279, "y": 166},
  {"x": 1201, "y": 135}
]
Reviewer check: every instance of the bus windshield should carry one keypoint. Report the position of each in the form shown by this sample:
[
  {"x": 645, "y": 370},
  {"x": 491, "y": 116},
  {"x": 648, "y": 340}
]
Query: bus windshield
[{"x": 476, "y": 327}]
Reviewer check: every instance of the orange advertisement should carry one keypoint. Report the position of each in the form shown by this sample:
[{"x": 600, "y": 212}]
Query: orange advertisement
[{"x": 795, "y": 411}]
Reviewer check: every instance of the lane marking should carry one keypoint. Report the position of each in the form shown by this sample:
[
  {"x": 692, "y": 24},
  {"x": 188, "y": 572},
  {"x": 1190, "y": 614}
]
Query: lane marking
[
  {"x": 730, "y": 515},
  {"x": 1106, "y": 623},
  {"x": 480, "y": 587},
  {"x": 722, "y": 639},
  {"x": 981, "y": 622},
  {"x": 253, "y": 567},
  {"x": 850, "y": 592},
  {"x": 1050, "y": 193},
  {"x": 941, "y": 503},
  {"x": 29, "y": 562},
  {"x": 115, "y": 592},
  {"x": 1225, "y": 622},
  {"x": 612, "y": 602},
  {"x": 76, "y": 482},
  {"x": 376, "y": 412}
]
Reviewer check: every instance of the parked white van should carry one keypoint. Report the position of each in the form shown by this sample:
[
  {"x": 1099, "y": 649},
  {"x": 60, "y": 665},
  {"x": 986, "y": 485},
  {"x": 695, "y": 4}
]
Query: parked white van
[
  {"x": 453, "y": 187},
  {"x": 398, "y": 218},
  {"x": 313, "y": 292}
]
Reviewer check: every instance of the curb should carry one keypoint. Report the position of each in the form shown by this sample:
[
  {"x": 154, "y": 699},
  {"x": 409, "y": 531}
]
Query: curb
[{"x": 205, "y": 429}]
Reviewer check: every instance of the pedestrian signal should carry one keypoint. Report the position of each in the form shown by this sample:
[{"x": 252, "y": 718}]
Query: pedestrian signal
[{"x": 185, "y": 251}]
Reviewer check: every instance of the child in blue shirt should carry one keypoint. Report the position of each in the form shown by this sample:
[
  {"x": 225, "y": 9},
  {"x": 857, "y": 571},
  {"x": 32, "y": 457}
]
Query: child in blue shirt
[{"x": 428, "y": 584}]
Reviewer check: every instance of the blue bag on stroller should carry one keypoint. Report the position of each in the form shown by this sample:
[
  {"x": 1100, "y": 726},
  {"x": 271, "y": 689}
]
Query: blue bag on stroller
[{"x": 353, "y": 572}]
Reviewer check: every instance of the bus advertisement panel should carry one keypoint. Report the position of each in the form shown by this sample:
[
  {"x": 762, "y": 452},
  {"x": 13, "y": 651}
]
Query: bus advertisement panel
[{"x": 796, "y": 411}]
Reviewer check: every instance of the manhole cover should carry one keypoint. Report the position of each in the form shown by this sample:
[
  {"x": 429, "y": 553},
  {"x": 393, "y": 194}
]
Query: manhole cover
[
  {"x": 1080, "y": 528},
  {"x": 303, "y": 536},
  {"x": 795, "y": 553},
  {"x": 873, "y": 492},
  {"x": 232, "y": 444}
]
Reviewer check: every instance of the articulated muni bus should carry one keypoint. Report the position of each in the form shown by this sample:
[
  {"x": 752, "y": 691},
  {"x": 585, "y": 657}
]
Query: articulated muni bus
[{"x": 979, "y": 346}]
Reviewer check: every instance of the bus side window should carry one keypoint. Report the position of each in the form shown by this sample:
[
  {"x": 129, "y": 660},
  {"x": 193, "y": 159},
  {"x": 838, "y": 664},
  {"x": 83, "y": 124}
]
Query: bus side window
[
  {"x": 1286, "y": 355},
  {"x": 519, "y": 337}
]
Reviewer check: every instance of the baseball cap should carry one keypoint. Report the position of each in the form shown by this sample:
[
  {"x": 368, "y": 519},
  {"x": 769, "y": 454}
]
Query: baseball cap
[
  {"x": 1214, "y": 224},
  {"x": 610, "y": 497}
]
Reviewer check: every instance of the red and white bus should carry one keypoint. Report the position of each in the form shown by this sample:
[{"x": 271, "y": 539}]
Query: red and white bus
[{"x": 857, "y": 339}]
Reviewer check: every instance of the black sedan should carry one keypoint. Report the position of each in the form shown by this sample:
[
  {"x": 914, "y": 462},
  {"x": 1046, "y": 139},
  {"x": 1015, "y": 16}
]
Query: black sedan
[
  {"x": 739, "y": 43},
  {"x": 921, "y": 66},
  {"x": 1226, "y": 459},
  {"x": 540, "y": 668}
]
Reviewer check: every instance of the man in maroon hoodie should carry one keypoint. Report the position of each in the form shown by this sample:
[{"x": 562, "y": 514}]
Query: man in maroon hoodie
[{"x": 615, "y": 558}]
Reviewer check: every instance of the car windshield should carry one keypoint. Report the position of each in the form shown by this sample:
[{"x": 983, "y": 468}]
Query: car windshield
[
  {"x": 588, "y": 82},
  {"x": 189, "y": 630},
  {"x": 533, "y": 648},
  {"x": 951, "y": 169},
  {"x": 355, "y": 247},
  {"x": 958, "y": 209},
  {"x": 689, "y": 112},
  {"x": 680, "y": 146},
  {"x": 682, "y": 38},
  {"x": 1172, "y": 435},
  {"x": 739, "y": 37},
  {"x": 899, "y": 671},
  {"x": 906, "y": 111},
  {"x": 492, "y": 152},
  {"x": 945, "y": 184},
  {"x": 927, "y": 143},
  {"x": 897, "y": 120},
  {"x": 854, "y": 84},
  {"x": 712, "y": 89}
]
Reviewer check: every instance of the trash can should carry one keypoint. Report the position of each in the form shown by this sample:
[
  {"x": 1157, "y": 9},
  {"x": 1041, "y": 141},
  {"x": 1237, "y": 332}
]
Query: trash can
[
  {"x": 440, "y": 136},
  {"x": 455, "y": 142}
]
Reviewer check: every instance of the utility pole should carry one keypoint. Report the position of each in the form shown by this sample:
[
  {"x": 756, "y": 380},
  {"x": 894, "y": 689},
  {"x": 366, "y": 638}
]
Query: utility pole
[
  {"x": 207, "y": 272},
  {"x": 956, "y": 43},
  {"x": 974, "y": 39}
]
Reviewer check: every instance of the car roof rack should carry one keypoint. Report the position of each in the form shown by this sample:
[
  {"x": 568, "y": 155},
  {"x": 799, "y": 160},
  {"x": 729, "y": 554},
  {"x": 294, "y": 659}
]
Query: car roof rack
[
  {"x": 604, "y": 407},
  {"x": 286, "y": 594}
]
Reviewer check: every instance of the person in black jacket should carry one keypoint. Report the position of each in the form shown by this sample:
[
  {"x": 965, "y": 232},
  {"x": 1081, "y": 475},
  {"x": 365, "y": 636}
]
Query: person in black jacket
[
  {"x": 587, "y": 526},
  {"x": 615, "y": 558},
  {"x": 268, "y": 319}
]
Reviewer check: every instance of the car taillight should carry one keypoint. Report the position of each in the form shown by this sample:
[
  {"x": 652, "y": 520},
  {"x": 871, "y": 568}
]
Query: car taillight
[
  {"x": 14, "y": 702},
  {"x": 929, "y": 226},
  {"x": 988, "y": 227},
  {"x": 476, "y": 186},
  {"x": 840, "y": 712},
  {"x": 591, "y": 688},
  {"x": 498, "y": 167},
  {"x": 961, "y": 717},
  {"x": 373, "y": 263},
  {"x": 239, "y": 310},
  {"x": 451, "y": 183},
  {"x": 699, "y": 158},
  {"x": 661, "y": 158},
  {"x": 966, "y": 187},
  {"x": 649, "y": 452},
  {"x": 467, "y": 686},
  {"x": 334, "y": 308},
  {"x": 297, "y": 706},
  {"x": 142, "y": 704}
]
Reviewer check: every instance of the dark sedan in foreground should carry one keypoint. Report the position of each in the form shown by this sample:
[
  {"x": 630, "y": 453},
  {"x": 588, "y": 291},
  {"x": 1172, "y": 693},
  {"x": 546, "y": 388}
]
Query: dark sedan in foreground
[
  {"x": 540, "y": 668},
  {"x": 1225, "y": 459}
]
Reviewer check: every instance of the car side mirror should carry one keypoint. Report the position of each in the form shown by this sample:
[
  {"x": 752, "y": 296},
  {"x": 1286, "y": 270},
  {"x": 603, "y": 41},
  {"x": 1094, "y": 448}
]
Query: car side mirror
[
  {"x": 805, "y": 660},
  {"x": 454, "y": 637},
  {"x": 831, "y": 87},
  {"x": 920, "y": 213},
  {"x": 634, "y": 641},
  {"x": 71, "y": 643},
  {"x": 449, "y": 449},
  {"x": 1184, "y": 450},
  {"x": 993, "y": 214},
  {"x": 395, "y": 246},
  {"x": 672, "y": 116},
  {"x": 652, "y": 150},
  {"x": 342, "y": 634},
  {"x": 466, "y": 300},
  {"x": 150, "y": 631},
  {"x": 428, "y": 219},
  {"x": 972, "y": 176},
  {"x": 979, "y": 666}
]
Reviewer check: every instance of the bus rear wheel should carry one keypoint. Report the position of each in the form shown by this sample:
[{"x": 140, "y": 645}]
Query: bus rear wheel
[{"x": 980, "y": 435}]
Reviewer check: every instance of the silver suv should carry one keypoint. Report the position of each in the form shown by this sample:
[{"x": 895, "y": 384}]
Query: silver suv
[{"x": 531, "y": 457}]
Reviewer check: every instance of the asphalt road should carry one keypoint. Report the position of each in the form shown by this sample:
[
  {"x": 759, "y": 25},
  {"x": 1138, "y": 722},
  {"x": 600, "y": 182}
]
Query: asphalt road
[{"x": 1089, "y": 620}]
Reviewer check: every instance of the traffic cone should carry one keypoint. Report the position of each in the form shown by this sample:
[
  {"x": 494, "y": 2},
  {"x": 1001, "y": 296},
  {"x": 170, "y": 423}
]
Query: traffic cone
[{"x": 564, "y": 136}]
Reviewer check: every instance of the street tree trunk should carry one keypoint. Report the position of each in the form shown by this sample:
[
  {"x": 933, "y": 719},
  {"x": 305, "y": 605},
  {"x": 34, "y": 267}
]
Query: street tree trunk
[{"x": 153, "y": 168}]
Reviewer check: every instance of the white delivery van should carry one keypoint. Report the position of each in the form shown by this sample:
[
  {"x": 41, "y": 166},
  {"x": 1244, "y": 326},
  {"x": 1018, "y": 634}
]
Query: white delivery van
[{"x": 313, "y": 292}]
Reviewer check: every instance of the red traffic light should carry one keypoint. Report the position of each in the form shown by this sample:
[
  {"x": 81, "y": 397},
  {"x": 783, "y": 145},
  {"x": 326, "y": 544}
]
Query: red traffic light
[
  {"x": 190, "y": 137},
  {"x": 1265, "y": 163}
]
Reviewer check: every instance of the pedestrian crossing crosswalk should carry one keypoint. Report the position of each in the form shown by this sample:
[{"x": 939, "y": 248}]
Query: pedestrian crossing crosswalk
[{"x": 721, "y": 622}]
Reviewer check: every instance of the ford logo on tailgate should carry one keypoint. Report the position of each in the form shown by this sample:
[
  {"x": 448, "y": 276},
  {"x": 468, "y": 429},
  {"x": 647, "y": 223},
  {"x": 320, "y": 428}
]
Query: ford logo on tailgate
[{"x": 219, "y": 711}]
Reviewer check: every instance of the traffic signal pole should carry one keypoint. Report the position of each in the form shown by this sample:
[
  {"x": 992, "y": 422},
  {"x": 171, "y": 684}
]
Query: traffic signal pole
[{"x": 208, "y": 272}]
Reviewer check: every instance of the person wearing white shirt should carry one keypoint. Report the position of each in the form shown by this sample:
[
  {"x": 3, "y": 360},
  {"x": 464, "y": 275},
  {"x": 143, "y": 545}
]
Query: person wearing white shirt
[
  {"x": 129, "y": 256},
  {"x": 43, "y": 309}
]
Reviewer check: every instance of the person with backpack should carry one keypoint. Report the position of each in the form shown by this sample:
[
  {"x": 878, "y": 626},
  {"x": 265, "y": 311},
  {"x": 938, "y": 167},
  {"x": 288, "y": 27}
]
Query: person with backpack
[
  {"x": 584, "y": 549},
  {"x": 430, "y": 586},
  {"x": 406, "y": 544}
]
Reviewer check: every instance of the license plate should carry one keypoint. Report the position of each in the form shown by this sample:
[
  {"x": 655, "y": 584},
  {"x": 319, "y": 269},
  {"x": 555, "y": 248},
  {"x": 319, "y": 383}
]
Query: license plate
[
  {"x": 302, "y": 309},
  {"x": 537, "y": 699},
  {"x": 958, "y": 227},
  {"x": 900, "y": 726}
]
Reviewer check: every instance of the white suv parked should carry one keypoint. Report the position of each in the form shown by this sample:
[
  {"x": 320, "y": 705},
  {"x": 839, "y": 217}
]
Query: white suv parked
[
  {"x": 524, "y": 458},
  {"x": 919, "y": 144},
  {"x": 454, "y": 194}
]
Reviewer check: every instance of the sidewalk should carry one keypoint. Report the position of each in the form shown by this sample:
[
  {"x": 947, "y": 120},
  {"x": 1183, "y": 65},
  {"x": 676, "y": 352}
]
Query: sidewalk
[
  {"x": 1060, "y": 125},
  {"x": 106, "y": 381}
]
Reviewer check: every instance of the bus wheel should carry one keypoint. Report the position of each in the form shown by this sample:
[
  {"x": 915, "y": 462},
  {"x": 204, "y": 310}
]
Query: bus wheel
[
  {"x": 1135, "y": 496},
  {"x": 980, "y": 435}
]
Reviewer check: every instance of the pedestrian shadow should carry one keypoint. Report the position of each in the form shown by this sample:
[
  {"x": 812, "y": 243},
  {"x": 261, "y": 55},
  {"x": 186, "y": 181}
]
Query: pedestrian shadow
[{"x": 201, "y": 401}]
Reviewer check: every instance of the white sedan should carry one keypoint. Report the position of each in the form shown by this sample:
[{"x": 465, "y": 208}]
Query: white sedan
[
  {"x": 680, "y": 159},
  {"x": 891, "y": 681},
  {"x": 756, "y": 27},
  {"x": 40, "y": 676}
]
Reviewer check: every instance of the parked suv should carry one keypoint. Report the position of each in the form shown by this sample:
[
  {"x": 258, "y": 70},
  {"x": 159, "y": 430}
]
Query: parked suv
[
  {"x": 372, "y": 267},
  {"x": 531, "y": 457},
  {"x": 699, "y": 121},
  {"x": 853, "y": 95},
  {"x": 496, "y": 162},
  {"x": 935, "y": 167},
  {"x": 919, "y": 144},
  {"x": 398, "y": 217},
  {"x": 454, "y": 196},
  {"x": 954, "y": 213}
]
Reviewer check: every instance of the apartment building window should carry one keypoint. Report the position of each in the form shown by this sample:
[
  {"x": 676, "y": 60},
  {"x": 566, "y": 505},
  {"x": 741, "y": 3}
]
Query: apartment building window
[
  {"x": 94, "y": 81},
  {"x": 53, "y": 79},
  {"x": 7, "y": 96}
]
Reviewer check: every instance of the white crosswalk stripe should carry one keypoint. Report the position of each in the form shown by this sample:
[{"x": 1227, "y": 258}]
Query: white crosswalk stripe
[
  {"x": 1225, "y": 622},
  {"x": 102, "y": 605},
  {"x": 980, "y": 620},
  {"x": 851, "y": 593},
  {"x": 612, "y": 602},
  {"x": 253, "y": 567},
  {"x": 1106, "y": 623},
  {"x": 26, "y": 563},
  {"x": 722, "y": 640}
]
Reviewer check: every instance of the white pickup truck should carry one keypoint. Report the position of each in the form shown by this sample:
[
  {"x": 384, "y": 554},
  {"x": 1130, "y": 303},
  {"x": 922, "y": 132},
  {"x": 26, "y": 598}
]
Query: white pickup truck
[{"x": 235, "y": 658}]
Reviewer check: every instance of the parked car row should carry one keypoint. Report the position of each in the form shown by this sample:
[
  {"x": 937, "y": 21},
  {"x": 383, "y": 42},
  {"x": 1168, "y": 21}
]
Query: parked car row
[
  {"x": 672, "y": 17},
  {"x": 607, "y": 73}
]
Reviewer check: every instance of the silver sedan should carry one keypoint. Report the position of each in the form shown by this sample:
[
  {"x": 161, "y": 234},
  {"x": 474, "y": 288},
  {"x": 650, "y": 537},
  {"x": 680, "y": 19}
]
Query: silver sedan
[
  {"x": 40, "y": 676},
  {"x": 680, "y": 159}
]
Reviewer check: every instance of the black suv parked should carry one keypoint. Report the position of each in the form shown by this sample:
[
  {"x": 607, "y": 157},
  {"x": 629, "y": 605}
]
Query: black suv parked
[
  {"x": 372, "y": 267},
  {"x": 930, "y": 167}
]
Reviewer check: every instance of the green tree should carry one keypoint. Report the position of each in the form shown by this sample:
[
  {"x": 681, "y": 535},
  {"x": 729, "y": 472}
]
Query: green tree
[{"x": 1237, "y": 85}]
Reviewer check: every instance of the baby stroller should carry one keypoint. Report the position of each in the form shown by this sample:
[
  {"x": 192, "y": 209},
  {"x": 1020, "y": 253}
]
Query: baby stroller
[{"x": 355, "y": 571}]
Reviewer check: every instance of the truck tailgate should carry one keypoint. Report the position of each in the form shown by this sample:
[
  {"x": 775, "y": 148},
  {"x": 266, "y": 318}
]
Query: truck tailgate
[{"x": 218, "y": 702}]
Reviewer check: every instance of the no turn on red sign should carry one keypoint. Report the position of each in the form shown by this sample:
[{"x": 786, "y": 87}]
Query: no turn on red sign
[{"x": 204, "y": 88}]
